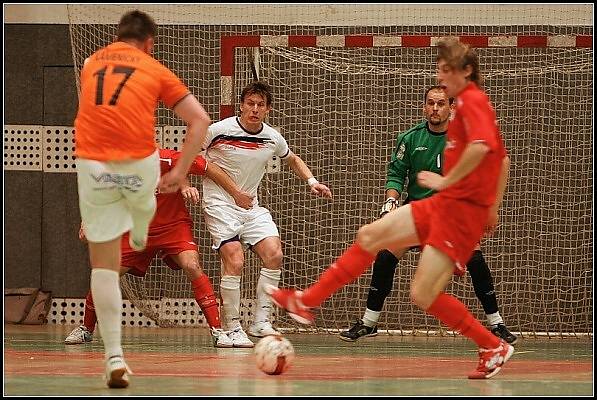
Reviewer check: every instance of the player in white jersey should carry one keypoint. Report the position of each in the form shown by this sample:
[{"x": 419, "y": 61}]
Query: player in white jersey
[{"x": 242, "y": 146}]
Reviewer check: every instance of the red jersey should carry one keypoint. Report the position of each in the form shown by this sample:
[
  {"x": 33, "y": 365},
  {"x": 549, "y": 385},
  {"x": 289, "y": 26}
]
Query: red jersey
[
  {"x": 171, "y": 208},
  {"x": 474, "y": 121}
]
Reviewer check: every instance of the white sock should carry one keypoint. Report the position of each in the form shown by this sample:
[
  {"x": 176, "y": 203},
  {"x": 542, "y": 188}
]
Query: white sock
[
  {"x": 263, "y": 308},
  {"x": 230, "y": 294},
  {"x": 370, "y": 317},
  {"x": 494, "y": 319},
  {"x": 107, "y": 298}
]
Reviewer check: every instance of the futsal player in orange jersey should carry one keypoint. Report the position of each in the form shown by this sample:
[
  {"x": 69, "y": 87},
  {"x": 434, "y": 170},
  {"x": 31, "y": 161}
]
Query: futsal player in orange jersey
[
  {"x": 118, "y": 163},
  {"x": 171, "y": 236},
  {"x": 448, "y": 225}
]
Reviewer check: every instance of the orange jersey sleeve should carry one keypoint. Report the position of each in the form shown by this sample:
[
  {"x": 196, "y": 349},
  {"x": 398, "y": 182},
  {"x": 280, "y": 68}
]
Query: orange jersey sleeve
[{"x": 120, "y": 90}]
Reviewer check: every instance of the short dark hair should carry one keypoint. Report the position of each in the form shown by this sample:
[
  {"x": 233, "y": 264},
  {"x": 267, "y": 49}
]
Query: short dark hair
[
  {"x": 436, "y": 87},
  {"x": 260, "y": 88},
  {"x": 136, "y": 25}
]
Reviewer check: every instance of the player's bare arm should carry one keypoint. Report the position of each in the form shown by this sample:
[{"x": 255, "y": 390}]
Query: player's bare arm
[
  {"x": 493, "y": 218},
  {"x": 189, "y": 192},
  {"x": 302, "y": 170},
  {"x": 192, "y": 112},
  {"x": 471, "y": 157},
  {"x": 219, "y": 176}
]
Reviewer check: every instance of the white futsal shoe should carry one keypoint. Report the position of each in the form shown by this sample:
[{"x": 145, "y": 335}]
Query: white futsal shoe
[
  {"x": 221, "y": 338},
  {"x": 117, "y": 373},
  {"x": 262, "y": 329},
  {"x": 240, "y": 338},
  {"x": 79, "y": 335}
]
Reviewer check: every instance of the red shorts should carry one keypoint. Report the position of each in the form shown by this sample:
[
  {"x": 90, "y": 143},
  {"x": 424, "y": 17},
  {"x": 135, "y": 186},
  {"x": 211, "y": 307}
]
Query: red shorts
[
  {"x": 164, "y": 242},
  {"x": 452, "y": 226}
]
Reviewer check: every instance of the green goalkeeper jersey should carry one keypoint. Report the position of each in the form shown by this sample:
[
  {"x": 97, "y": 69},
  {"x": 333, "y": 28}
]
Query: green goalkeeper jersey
[{"x": 417, "y": 149}]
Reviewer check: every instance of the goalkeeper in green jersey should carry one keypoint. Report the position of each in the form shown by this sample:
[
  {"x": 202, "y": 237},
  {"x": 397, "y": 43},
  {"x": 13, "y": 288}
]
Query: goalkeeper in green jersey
[{"x": 420, "y": 149}]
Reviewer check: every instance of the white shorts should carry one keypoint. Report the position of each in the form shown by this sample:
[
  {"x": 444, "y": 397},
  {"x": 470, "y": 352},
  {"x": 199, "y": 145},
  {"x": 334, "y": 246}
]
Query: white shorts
[
  {"x": 250, "y": 226},
  {"x": 109, "y": 190}
]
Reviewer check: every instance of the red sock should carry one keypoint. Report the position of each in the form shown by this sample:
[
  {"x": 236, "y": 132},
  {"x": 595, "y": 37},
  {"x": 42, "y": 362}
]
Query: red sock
[
  {"x": 453, "y": 313},
  {"x": 206, "y": 299},
  {"x": 349, "y": 266},
  {"x": 89, "y": 317}
]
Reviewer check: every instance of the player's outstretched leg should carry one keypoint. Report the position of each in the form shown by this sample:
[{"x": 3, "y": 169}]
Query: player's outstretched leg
[
  {"x": 349, "y": 266},
  {"x": 290, "y": 300}
]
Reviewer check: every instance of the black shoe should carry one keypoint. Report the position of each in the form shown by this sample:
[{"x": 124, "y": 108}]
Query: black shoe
[
  {"x": 358, "y": 330},
  {"x": 502, "y": 332}
]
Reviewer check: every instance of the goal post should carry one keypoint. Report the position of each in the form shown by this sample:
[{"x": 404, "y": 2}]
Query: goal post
[
  {"x": 341, "y": 100},
  {"x": 230, "y": 43},
  {"x": 343, "y": 88}
]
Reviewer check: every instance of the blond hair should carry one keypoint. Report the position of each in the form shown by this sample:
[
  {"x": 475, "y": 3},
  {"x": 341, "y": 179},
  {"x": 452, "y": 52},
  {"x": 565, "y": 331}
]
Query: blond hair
[{"x": 458, "y": 55}]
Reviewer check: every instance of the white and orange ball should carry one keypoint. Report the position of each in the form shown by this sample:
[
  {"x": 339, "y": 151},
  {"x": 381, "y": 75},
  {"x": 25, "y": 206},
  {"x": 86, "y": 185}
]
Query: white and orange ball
[{"x": 274, "y": 354}]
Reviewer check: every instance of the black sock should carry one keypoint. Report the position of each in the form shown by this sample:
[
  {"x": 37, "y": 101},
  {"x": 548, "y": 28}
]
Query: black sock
[
  {"x": 482, "y": 282},
  {"x": 382, "y": 279}
]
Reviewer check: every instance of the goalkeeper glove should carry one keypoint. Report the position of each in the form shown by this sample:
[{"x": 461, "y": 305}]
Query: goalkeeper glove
[{"x": 389, "y": 205}]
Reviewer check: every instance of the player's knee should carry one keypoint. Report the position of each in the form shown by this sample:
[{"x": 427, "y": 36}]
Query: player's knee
[
  {"x": 383, "y": 273},
  {"x": 366, "y": 237},
  {"x": 273, "y": 260},
  {"x": 420, "y": 297},
  {"x": 233, "y": 266},
  {"x": 193, "y": 267}
]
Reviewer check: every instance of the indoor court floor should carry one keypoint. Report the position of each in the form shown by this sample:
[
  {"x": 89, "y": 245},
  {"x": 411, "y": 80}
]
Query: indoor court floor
[{"x": 183, "y": 362}]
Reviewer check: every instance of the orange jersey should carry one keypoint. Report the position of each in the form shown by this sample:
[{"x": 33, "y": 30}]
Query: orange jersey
[{"x": 120, "y": 89}]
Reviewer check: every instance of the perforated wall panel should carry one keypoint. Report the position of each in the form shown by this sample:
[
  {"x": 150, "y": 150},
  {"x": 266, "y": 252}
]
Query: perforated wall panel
[
  {"x": 173, "y": 137},
  {"x": 23, "y": 147},
  {"x": 59, "y": 148},
  {"x": 44, "y": 148},
  {"x": 181, "y": 312}
]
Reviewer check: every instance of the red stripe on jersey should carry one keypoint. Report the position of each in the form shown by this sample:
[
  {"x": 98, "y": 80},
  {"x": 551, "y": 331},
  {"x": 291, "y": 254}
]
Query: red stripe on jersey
[{"x": 239, "y": 144}]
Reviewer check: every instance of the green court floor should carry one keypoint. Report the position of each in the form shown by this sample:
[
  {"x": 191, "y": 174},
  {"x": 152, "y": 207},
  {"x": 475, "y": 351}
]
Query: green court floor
[{"x": 182, "y": 361}]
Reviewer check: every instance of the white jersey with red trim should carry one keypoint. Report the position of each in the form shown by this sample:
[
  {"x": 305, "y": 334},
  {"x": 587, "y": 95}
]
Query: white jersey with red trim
[{"x": 242, "y": 154}]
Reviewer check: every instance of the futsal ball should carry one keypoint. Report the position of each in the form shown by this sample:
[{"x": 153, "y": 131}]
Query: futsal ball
[{"x": 274, "y": 354}]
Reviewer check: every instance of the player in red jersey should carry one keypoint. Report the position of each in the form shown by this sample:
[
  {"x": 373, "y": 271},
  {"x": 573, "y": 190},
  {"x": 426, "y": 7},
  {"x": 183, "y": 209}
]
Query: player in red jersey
[
  {"x": 448, "y": 225},
  {"x": 171, "y": 236}
]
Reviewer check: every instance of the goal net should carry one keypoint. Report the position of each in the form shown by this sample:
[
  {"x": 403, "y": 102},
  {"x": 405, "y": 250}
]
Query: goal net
[{"x": 343, "y": 89}]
